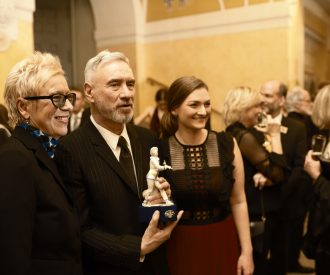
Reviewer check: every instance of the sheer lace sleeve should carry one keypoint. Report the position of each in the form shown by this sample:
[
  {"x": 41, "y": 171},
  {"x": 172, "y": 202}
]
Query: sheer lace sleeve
[{"x": 271, "y": 165}]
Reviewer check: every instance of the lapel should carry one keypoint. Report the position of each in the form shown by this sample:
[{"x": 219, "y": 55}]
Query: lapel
[
  {"x": 41, "y": 155},
  {"x": 137, "y": 156},
  {"x": 102, "y": 149}
]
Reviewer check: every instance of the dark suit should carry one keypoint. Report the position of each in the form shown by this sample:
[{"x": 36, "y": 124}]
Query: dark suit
[
  {"x": 292, "y": 191},
  {"x": 3, "y": 136},
  {"x": 311, "y": 128},
  {"x": 294, "y": 148},
  {"x": 297, "y": 191},
  {"x": 108, "y": 201},
  {"x": 83, "y": 119},
  {"x": 39, "y": 229}
]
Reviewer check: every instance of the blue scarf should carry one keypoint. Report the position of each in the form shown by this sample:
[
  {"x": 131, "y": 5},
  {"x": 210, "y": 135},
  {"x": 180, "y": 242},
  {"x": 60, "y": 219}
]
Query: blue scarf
[{"x": 49, "y": 143}]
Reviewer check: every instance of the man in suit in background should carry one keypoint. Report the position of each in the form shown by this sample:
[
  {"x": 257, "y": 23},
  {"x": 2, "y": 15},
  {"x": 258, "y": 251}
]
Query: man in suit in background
[
  {"x": 299, "y": 106},
  {"x": 107, "y": 195},
  {"x": 76, "y": 118},
  {"x": 293, "y": 138}
]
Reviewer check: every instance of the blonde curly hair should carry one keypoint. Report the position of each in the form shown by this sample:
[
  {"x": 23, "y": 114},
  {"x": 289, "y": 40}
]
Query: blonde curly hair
[
  {"x": 237, "y": 101},
  {"x": 27, "y": 78}
]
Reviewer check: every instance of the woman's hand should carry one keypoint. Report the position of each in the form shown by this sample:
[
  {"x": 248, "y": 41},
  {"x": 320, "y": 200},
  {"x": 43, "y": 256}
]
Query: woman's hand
[
  {"x": 245, "y": 264},
  {"x": 260, "y": 181},
  {"x": 312, "y": 166}
]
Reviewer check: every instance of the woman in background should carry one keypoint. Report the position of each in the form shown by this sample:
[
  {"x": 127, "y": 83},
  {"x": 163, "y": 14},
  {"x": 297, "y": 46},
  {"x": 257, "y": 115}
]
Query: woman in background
[
  {"x": 153, "y": 115},
  {"x": 264, "y": 165},
  {"x": 207, "y": 181},
  {"x": 318, "y": 230}
]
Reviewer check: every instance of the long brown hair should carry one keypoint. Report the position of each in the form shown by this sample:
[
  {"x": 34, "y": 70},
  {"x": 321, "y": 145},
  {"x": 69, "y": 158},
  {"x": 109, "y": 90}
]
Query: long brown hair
[{"x": 179, "y": 90}]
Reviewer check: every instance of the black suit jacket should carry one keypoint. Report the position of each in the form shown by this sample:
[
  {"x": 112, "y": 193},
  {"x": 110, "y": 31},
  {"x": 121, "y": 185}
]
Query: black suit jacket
[
  {"x": 294, "y": 188},
  {"x": 297, "y": 186},
  {"x": 108, "y": 202},
  {"x": 84, "y": 118},
  {"x": 39, "y": 228}
]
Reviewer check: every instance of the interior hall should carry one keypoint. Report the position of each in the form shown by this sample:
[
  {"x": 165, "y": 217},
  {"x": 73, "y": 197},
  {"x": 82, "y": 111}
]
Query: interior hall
[{"x": 224, "y": 42}]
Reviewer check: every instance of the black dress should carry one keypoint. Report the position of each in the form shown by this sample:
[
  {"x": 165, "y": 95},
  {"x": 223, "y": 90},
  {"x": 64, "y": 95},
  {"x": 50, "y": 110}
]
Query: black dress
[
  {"x": 317, "y": 238},
  {"x": 205, "y": 241},
  {"x": 266, "y": 201}
]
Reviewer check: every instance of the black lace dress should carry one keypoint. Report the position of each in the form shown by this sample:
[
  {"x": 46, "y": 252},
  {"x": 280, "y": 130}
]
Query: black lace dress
[{"x": 205, "y": 241}]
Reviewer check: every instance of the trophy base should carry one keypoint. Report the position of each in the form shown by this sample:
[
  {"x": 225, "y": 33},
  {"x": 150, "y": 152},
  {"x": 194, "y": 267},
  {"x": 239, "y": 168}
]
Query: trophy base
[{"x": 168, "y": 213}]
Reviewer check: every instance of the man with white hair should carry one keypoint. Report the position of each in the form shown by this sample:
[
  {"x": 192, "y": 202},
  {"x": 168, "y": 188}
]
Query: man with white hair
[
  {"x": 299, "y": 106},
  {"x": 105, "y": 162}
]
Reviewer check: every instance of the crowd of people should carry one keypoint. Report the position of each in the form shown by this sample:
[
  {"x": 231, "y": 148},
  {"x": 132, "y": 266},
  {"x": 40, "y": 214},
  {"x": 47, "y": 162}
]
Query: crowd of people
[{"x": 73, "y": 177}]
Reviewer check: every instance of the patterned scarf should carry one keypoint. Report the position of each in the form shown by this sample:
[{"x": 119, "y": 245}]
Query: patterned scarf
[{"x": 49, "y": 143}]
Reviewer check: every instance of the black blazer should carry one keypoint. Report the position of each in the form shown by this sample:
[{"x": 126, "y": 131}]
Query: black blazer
[
  {"x": 295, "y": 186},
  {"x": 84, "y": 118},
  {"x": 3, "y": 136},
  {"x": 108, "y": 202},
  {"x": 39, "y": 229}
]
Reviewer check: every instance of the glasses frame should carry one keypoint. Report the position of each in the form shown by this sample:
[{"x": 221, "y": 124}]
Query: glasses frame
[{"x": 51, "y": 97}]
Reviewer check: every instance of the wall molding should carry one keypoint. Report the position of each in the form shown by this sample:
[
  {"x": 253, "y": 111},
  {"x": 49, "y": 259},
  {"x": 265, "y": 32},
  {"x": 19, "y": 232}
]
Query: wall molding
[{"x": 235, "y": 20}]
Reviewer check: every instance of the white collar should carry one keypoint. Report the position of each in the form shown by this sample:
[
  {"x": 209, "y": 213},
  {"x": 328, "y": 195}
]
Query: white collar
[
  {"x": 110, "y": 137},
  {"x": 275, "y": 120},
  {"x": 79, "y": 114}
]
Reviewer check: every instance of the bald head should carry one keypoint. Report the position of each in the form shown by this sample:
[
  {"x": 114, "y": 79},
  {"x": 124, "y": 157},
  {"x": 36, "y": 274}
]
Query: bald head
[
  {"x": 276, "y": 86},
  {"x": 273, "y": 94}
]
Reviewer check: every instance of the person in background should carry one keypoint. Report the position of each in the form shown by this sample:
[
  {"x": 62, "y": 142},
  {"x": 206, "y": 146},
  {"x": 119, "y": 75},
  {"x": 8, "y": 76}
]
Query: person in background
[
  {"x": 105, "y": 163},
  {"x": 318, "y": 229},
  {"x": 299, "y": 106},
  {"x": 264, "y": 166},
  {"x": 39, "y": 228},
  {"x": 76, "y": 118},
  {"x": 5, "y": 129},
  {"x": 207, "y": 181},
  {"x": 294, "y": 145},
  {"x": 154, "y": 114}
]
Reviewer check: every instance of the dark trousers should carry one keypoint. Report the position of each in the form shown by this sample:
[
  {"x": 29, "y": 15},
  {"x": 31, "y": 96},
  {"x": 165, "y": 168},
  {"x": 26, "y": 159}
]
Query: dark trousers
[
  {"x": 277, "y": 261},
  {"x": 322, "y": 263},
  {"x": 293, "y": 240},
  {"x": 273, "y": 243}
]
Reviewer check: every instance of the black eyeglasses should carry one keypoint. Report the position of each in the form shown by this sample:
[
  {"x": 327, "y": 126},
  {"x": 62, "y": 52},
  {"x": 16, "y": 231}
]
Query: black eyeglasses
[{"x": 58, "y": 100}]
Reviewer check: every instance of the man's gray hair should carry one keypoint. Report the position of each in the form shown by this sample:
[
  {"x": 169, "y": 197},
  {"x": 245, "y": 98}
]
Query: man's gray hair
[
  {"x": 294, "y": 96},
  {"x": 103, "y": 57}
]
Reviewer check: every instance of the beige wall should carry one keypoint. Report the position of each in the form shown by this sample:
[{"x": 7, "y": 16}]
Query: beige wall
[
  {"x": 18, "y": 49},
  {"x": 225, "y": 61},
  {"x": 317, "y": 46},
  {"x": 269, "y": 45}
]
